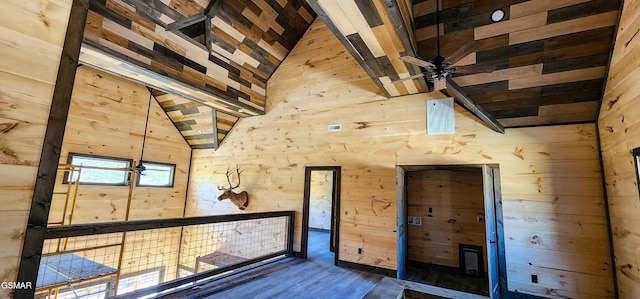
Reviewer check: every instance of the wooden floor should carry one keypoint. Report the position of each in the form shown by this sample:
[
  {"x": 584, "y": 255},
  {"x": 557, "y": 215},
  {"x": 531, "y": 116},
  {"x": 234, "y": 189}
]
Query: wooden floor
[
  {"x": 315, "y": 277},
  {"x": 448, "y": 280}
]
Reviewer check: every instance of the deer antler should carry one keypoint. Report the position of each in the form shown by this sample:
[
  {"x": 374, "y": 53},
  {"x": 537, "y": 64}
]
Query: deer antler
[
  {"x": 228, "y": 180},
  {"x": 238, "y": 171},
  {"x": 229, "y": 172}
]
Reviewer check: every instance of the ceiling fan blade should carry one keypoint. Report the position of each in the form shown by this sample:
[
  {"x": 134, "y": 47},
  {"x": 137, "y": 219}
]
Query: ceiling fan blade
[
  {"x": 464, "y": 51},
  {"x": 463, "y": 98},
  {"x": 407, "y": 78},
  {"x": 416, "y": 61},
  {"x": 473, "y": 69}
]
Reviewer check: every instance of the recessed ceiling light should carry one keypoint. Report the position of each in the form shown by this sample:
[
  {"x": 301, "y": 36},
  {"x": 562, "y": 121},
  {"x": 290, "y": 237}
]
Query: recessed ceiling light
[
  {"x": 199, "y": 132},
  {"x": 497, "y": 15},
  {"x": 240, "y": 110}
]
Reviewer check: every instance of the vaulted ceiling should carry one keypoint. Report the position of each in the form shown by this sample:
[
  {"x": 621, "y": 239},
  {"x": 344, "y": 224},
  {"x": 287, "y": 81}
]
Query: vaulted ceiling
[
  {"x": 205, "y": 54},
  {"x": 550, "y": 57},
  {"x": 208, "y": 61}
]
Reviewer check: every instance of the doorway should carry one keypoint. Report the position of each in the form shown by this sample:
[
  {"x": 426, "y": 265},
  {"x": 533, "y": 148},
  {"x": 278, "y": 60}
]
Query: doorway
[
  {"x": 450, "y": 227},
  {"x": 320, "y": 217}
]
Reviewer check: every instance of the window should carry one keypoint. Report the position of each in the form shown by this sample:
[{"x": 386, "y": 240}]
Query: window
[
  {"x": 98, "y": 170},
  {"x": 157, "y": 175}
]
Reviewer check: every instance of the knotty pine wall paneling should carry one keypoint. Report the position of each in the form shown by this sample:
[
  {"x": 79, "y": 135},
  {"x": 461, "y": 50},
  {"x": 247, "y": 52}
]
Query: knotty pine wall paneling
[
  {"x": 456, "y": 198},
  {"x": 107, "y": 118},
  {"x": 618, "y": 123},
  {"x": 32, "y": 34},
  {"x": 554, "y": 219}
]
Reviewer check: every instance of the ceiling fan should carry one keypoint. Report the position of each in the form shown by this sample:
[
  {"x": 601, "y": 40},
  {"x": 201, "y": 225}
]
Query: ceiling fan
[{"x": 440, "y": 69}]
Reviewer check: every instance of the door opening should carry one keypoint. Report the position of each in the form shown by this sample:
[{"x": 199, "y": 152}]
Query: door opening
[
  {"x": 450, "y": 227},
  {"x": 320, "y": 217}
]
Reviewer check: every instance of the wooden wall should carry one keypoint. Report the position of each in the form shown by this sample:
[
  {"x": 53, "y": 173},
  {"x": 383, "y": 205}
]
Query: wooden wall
[
  {"x": 456, "y": 198},
  {"x": 32, "y": 34},
  {"x": 107, "y": 118},
  {"x": 555, "y": 222},
  {"x": 320, "y": 200},
  {"x": 618, "y": 123}
]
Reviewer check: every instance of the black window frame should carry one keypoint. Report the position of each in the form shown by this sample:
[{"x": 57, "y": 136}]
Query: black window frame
[
  {"x": 636, "y": 161},
  {"x": 65, "y": 179},
  {"x": 173, "y": 175}
]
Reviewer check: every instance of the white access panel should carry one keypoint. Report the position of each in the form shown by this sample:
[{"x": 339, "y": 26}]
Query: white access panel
[{"x": 440, "y": 117}]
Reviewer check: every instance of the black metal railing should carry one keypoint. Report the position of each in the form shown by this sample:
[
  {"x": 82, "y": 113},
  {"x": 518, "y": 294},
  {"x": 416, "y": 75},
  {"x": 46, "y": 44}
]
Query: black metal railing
[{"x": 131, "y": 259}]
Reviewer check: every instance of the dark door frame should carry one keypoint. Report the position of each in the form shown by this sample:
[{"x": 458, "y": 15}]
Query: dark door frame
[
  {"x": 402, "y": 223},
  {"x": 335, "y": 207}
]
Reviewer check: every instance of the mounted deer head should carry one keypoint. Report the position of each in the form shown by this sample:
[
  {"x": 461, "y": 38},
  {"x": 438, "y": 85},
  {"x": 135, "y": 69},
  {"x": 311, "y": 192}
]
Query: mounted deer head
[{"x": 241, "y": 200}]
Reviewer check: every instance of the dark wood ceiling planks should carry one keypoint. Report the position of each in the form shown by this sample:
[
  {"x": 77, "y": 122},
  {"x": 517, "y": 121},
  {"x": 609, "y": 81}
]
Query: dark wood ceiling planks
[
  {"x": 225, "y": 67},
  {"x": 376, "y": 34},
  {"x": 201, "y": 126},
  {"x": 551, "y": 56}
]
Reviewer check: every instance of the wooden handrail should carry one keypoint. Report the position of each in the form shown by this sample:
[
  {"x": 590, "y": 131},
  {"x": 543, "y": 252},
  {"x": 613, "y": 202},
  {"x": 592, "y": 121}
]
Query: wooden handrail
[{"x": 76, "y": 230}]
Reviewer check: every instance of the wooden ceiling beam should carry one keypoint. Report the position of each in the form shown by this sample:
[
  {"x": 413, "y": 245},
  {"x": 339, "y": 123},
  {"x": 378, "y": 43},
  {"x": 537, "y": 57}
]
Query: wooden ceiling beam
[
  {"x": 214, "y": 124},
  {"x": 186, "y": 22},
  {"x": 112, "y": 62},
  {"x": 376, "y": 34},
  {"x": 213, "y": 7},
  {"x": 463, "y": 99}
]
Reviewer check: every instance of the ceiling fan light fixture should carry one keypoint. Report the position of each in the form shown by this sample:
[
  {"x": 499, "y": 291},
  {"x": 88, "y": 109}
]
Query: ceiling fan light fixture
[
  {"x": 497, "y": 15},
  {"x": 141, "y": 169}
]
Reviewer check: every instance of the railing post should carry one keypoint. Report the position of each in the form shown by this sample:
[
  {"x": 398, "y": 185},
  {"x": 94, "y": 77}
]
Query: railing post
[{"x": 292, "y": 221}]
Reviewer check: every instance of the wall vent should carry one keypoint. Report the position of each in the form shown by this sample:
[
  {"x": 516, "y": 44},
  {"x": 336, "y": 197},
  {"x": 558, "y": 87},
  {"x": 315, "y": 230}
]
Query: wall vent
[
  {"x": 440, "y": 117},
  {"x": 334, "y": 128}
]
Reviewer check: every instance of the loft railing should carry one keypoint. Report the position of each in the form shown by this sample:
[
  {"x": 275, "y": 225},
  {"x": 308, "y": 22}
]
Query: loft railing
[{"x": 132, "y": 259}]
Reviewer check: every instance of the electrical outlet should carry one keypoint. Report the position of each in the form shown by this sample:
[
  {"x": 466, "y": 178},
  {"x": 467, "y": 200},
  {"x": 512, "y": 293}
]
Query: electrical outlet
[
  {"x": 480, "y": 219},
  {"x": 346, "y": 212},
  {"x": 534, "y": 278},
  {"x": 359, "y": 250}
]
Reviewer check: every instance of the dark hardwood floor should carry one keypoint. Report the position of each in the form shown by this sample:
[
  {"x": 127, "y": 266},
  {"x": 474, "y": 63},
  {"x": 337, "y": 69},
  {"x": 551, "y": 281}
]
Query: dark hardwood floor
[
  {"x": 315, "y": 277},
  {"x": 448, "y": 280}
]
